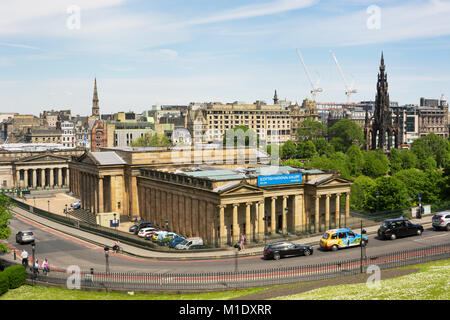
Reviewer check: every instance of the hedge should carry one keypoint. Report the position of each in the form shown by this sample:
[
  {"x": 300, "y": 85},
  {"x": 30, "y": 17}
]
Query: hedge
[
  {"x": 17, "y": 276},
  {"x": 4, "y": 283}
]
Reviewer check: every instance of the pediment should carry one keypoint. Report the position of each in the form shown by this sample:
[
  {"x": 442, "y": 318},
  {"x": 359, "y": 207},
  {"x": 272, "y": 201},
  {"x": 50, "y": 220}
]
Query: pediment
[
  {"x": 43, "y": 158},
  {"x": 334, "y": 181},
  {"x": 242, "y": 189},
  {"x": 87, "y": 159}
]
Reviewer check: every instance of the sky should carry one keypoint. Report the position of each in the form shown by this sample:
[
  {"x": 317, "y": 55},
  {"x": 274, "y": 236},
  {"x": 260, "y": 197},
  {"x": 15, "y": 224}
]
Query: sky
[{"x": 146, "y": 52}]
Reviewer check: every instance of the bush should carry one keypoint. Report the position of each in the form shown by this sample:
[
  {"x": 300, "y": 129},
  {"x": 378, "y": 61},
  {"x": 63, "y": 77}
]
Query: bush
[
  {"x": 4, "y": 283},
  {"x": 17, "y": 276}
]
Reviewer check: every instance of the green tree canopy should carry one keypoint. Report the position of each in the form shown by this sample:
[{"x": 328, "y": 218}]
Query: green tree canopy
[
  {"x": 310, "y": 130},
  {"x": 434, "y": 146},
  {"x": 241, "y": 135},
  {"x": 360, "y": 191},
  {"x": 151, "y": 140},
  {"x": 288, "y": 150},
  {"x": 306, "y": 150},
  {"x": 348, "y": 133},
  {"x": 5, "y": 215},
  {"x": 355, "y": 160},
  {"x": 376, "y": 163},
  {"x": 392, "y": 194}
]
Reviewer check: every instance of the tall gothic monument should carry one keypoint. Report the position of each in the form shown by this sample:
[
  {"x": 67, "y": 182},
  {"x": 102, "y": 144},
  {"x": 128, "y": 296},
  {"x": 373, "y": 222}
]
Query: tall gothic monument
[
  {"x": 384, "y": 130},
  {"x": 95, "y": 107}
]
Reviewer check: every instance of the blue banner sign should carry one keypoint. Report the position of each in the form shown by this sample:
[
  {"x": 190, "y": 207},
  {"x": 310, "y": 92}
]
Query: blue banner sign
[{"x": 279, "y": 179}]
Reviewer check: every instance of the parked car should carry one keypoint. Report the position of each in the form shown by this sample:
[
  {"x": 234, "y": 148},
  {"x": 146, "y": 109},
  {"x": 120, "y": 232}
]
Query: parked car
[
  {"x": 441, "y": 221},
  {"x": 76, "y": 205},
  {"x": 197, "y": 247},
  {"x": 342, "y": 238},
  {"x": 144, "y": 231},
  {"x": 25, "y": 236},
  {"x": 397, "y": 228},
  {"x": 282, "y": 249},
  {"x": 184, "y": 245},
  {"x": 133, "y": 227},
  {"x": 175, "y": 241},
  {"x": 165, "y": 239},
  {"x": 142, "y": 226}
]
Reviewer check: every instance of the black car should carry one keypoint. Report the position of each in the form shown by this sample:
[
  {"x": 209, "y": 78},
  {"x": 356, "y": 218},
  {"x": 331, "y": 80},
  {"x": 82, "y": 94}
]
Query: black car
[
  {"x": 397, "y": 228},
  {"x": 141, "y": 225},
  {"x": 280, "y": 249}
]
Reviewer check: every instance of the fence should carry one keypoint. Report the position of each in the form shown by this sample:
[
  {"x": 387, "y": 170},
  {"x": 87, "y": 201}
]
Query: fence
[{"x": 245, "y": 279}]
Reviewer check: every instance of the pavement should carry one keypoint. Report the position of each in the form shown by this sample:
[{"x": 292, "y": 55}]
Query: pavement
[{"x": 181, "y": 255}]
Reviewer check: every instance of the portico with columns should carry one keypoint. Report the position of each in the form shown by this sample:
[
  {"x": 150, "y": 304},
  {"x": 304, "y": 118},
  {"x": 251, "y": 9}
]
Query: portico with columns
[{"x": 45, "y": 171}]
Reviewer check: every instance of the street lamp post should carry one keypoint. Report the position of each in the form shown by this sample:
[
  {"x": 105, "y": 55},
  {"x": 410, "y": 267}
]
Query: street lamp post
[
  {"x": 264, "y": 231},
  {"x": 115, "y": 223},
  {"x": 106, "y": 248},
  {"x": 167, "y": 224},
  {"x": 48, "y": 205},
  {"x": 66, "y": 212},
  {"x": 363, "y": 247}
]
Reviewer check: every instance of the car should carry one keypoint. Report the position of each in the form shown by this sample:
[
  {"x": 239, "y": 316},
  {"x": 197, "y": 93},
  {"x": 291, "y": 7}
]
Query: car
[
  {"x": 25, "y": 236},
  {"x": 335, "y": 239},
  {"x": 142, "y": 226},
  {"x": 175, "y": 241},
  {"x": 147, "y": 224},
  {"x": 397, "y": 228},
  {"x": 441, "y": 220},
  {"x": 165, "y": 239},
  {"x": 144, "y": 231},
  {"x": 76, "y": 205},
  {"x": 197, "y": 247},
  {"x": 280, "y": 249}
]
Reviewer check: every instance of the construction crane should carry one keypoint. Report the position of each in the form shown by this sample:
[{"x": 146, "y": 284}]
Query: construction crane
[
  {"x": 315, "y": 89},
  {"x": 349, "y": 90}
]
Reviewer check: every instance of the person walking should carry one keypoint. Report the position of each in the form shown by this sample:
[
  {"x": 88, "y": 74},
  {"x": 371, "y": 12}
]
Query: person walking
[
  {"x": 242, "y": 242},
  {"x": 24, "y": 256},
  {"x": 45, "y": 268},
  {"x": 35, "y": 268}
]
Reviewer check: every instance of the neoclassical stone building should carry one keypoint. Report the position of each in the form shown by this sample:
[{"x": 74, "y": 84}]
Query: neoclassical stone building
[{"x": 215, "y": 194}]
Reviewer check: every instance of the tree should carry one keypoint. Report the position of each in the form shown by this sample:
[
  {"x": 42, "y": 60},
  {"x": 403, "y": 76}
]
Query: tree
[
  {"x": 395, "y": 161},
  {"x": 323, "y": 147},
  {"x": 310, "y": 130},
  {"x": 288, "y": 150},
  {"x": 392, "y": 194},
  {"x": 360, "y": 191},
  {"x": 5, "y": 215},
  {"x": 241, "y": 135},
  {"x": 355, "y": 160},
  {"x": 434, "y": 146},
  {"x": 409, "y": 159},
  {"x": 306, "y": 150},
  {"x": 348, "y": 132},
  {"x": 376, "y": 163},
  {"x": 152, "y": 140}
]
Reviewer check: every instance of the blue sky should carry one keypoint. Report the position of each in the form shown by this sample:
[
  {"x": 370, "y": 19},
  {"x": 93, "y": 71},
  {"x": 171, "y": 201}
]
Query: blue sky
[{"x": 146, "y": 52}]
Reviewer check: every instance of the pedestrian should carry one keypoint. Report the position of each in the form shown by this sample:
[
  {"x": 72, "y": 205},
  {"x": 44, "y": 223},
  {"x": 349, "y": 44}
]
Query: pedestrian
[
  {"x": 24, "y": 256},
  {"x": 45, "y": 268},
  {"x": 242, "y": 242},
  {"x": 35, "y": 268}
]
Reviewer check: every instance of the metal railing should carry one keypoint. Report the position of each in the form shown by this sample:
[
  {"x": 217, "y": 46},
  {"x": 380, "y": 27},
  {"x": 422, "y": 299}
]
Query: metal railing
[{"x": 245, "y": 278}]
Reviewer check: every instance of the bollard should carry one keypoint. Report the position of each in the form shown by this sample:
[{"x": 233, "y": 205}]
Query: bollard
[{"x": 14, "y": 254}]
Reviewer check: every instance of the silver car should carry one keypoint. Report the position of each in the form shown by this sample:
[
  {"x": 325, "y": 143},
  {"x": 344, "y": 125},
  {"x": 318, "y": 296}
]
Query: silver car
[
  {"x": 25, "y": 236},
  {"x": 441, "y": 220}
]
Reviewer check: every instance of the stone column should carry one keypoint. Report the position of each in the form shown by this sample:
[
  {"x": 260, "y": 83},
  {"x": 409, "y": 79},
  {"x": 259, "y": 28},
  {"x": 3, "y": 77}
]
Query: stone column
[
  {"x": 338, "y": 210},
  {"x": 17, "y": 178},
  {"x": 327, "y": 212},
  {"x": 34, "y": 177},
  {"x": 222, "y": 236},
  {"x": 169, "y": 209},
  {"x": 235, "y": 223},
  {"x": 43, "y": 178},
  {"x": 100, "y": 195},
  {"x": 60, "y": 182},
  {"x": 51, "y": 173},
  {"x": 182, "y": 215},
  {"x": 347, "y": 207},
  {"x": 194, "y": 217},
  {"x": 67, "y": 176},
  {"x": 209, "y": 222},
  {"x": 261, "y": 221},
  {"x": 248, "y": 226},
  {"x": 25, "y": 178},
  {"x": 284, "y": 215},
  {"x": 113, "y": 193},
  {"x": 188, "y": 218},
  {"x": 148, "y": 210},
  {"x": 273, "y": 217},
  {"x": 316, "y": 213},
  {"x": 175, "y": 215}
]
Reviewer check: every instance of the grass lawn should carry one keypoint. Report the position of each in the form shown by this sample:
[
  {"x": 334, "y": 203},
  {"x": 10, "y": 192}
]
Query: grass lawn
[{"x": 430, "y": 283}]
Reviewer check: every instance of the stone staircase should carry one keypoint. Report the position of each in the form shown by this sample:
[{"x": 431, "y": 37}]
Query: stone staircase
[{"x": 84, "y": 215}]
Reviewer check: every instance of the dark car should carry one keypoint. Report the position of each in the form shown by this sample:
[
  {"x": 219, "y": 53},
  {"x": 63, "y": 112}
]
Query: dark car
[
  {"x": 176, "y": 241},
  {"x": 397, "y": 228},
  {"x": 141, "y": 225},
  {"x": 281, "y": 249}
]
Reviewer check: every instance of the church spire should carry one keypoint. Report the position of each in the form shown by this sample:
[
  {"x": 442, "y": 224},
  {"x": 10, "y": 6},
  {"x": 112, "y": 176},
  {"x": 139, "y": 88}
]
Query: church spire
[
  {"x": 382, "y": 66},
  {"x": 275, "y": 98},
  {"x": 95, "y": 107}
]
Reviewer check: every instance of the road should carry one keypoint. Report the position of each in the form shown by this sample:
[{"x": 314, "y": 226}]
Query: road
[{"x": 62, "y": 250}]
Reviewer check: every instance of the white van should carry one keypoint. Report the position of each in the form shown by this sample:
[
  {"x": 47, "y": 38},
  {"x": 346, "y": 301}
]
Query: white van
[{"x": 185, "y": 244}]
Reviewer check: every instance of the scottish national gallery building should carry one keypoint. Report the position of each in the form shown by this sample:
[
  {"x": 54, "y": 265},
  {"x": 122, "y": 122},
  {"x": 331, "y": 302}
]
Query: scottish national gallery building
[{"x": 215, "y": 200}]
